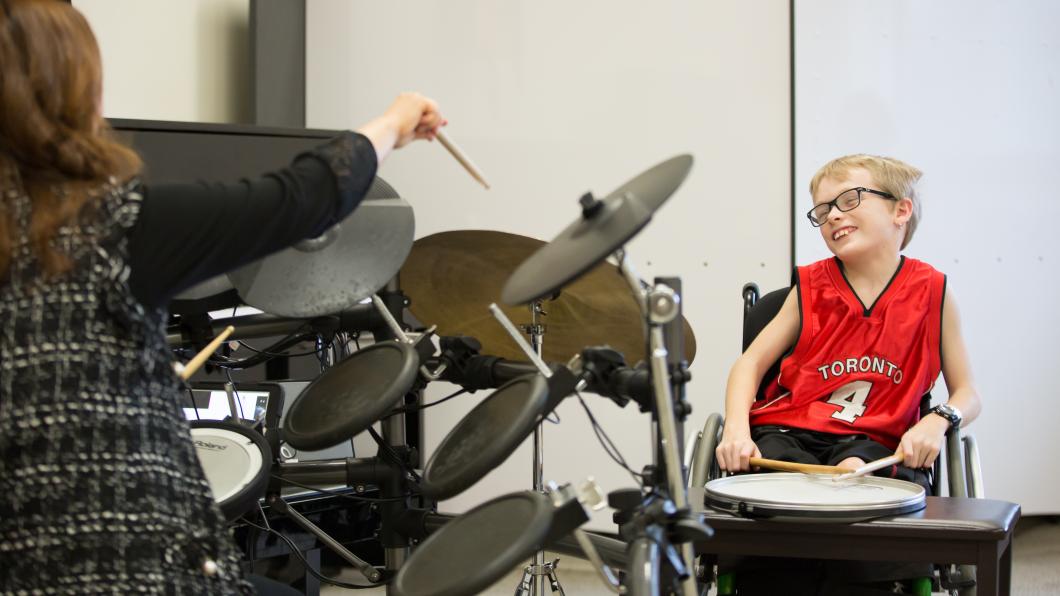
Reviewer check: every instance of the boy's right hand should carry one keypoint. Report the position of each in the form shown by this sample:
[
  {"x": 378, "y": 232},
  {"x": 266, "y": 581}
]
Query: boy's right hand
[{"x": 735, "y": 452}]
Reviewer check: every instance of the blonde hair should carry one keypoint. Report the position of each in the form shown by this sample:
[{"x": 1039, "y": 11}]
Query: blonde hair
[{"x": 891, "y": 175}]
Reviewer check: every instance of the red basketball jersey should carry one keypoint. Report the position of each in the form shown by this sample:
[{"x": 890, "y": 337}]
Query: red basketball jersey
[{"x": 857, "y": 369}]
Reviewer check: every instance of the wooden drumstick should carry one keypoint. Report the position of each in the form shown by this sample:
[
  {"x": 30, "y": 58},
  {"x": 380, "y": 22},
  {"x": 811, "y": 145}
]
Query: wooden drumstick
[
  {"x": 463, "y": 159},
  {"x": 193, "y": 365},
  {"x": 787, "y": 466},
  {"x": 872, "y": 466}
]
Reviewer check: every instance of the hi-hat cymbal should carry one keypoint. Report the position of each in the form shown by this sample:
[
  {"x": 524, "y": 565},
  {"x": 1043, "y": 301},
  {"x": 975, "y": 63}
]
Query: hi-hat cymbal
[
  {"x": 603, "y": 227},
  {"x": 349, "y": 262},
  {"x": 452, "y": 277}
]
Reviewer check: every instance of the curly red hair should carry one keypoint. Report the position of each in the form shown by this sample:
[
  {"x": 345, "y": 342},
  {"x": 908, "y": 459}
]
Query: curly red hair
[{"x": 54, "y": 143}]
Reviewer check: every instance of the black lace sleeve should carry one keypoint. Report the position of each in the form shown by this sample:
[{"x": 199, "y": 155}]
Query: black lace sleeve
[
  {"x": 352, "y": 159},
  {"x": 187, "y": 233}
]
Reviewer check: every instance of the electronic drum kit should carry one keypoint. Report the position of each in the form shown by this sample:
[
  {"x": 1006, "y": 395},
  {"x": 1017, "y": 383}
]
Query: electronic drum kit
[{"x": 361, "y": 274}]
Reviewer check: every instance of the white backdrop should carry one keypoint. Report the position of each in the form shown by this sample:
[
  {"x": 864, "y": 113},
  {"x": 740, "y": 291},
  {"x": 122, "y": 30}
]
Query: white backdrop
[
  {"x": 555, "y": 98},
  {"x": 968, "y": 92}
]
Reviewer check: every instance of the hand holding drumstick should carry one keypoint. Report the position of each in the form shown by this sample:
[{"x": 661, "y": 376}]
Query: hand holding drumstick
[{"x": 413, "y": 116}]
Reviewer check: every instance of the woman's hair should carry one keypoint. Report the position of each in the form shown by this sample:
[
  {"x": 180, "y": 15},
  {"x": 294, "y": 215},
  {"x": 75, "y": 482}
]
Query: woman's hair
[
  {"x": 893, "y": 176},
  {"x": 54, "y": 144}
]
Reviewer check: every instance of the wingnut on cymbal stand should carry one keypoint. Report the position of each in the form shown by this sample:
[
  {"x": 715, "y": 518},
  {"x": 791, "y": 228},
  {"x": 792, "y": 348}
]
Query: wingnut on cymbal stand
[{"x": 532, "y": 582}]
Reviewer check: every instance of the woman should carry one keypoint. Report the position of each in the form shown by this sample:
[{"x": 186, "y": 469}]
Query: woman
[{"x": 100, "y": 487}]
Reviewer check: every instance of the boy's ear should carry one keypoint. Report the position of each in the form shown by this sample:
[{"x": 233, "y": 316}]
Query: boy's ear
[{"x": 903, "y": 211}]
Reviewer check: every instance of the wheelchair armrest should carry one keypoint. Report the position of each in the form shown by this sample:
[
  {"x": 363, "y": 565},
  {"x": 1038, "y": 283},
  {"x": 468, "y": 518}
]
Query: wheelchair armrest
[
  {"x": 703, "y": 461},
  {"x": 963, "y": 471},
  {"x": 973, "y": 468}
]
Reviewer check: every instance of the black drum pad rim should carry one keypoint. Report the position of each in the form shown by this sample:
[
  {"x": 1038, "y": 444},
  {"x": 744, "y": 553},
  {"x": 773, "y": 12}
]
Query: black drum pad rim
[
  {"x": 298, "y": 432},
  {"x": 238, "y": 504},
  {"x": 471, "y": 577},
  {"x": 505, "y": 439}
]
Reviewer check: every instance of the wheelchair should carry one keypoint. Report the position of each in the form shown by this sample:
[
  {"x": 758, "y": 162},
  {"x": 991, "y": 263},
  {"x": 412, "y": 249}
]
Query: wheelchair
[{"x": 960, "y": 454}]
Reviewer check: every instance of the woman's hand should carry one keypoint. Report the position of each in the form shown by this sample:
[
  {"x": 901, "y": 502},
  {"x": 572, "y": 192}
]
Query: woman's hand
[
  {"x": 735, "y": 451},
  {"x": 920, "y": 445},
  {"x": 412, "y": 116}
]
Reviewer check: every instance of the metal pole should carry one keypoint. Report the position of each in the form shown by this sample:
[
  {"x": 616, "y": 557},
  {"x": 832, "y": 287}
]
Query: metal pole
[{"x": 536, "y": 332}]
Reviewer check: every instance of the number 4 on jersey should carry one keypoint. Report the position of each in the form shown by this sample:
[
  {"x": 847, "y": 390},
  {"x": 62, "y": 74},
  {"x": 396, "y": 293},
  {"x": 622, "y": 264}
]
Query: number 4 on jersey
[{"x": 851, "y": 398}]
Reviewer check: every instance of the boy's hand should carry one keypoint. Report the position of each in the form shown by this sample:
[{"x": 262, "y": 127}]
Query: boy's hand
[
  {"x": 921, "y": 444},
  {"x": 735, "y": 452}
]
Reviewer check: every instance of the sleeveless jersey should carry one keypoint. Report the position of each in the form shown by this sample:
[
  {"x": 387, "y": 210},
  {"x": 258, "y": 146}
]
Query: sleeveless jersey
[{"x": 857, "y": 369}]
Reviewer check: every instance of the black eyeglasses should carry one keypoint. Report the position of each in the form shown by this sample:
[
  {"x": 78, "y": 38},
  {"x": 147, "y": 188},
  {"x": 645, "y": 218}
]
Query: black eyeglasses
[{"x": 846, "y": 201}]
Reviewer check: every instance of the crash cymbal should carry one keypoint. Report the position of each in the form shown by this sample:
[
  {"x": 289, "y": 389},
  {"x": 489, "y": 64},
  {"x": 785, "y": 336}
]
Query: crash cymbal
[
  {"x": 349, "y": 262},
  {"x": 452, "y": 277},
  {"x": 603, "y": 227}
]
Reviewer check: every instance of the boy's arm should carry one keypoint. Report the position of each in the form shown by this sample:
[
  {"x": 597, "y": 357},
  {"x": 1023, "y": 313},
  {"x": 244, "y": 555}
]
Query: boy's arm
[
  {"x": 736, "y": 447},
  {"x": 921, "y": 443}
]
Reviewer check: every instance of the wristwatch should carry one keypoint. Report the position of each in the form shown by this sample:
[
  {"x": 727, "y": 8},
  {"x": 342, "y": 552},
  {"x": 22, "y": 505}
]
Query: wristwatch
[{"x": 950, "y": 413}]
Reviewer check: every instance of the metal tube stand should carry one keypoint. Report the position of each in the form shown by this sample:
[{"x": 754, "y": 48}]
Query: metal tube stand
[{"x": 531, "y": 583}]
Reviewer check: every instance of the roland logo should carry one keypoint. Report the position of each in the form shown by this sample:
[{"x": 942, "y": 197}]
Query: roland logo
[{"x": 199, "y": 443}]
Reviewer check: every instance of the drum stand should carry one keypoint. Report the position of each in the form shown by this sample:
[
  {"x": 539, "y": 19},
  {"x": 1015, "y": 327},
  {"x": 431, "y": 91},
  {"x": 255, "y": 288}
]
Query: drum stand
[
  {"x": 657, "y": 520},
  {"x": 400, "y": 522},
  {"x": 531, "y": 584}
]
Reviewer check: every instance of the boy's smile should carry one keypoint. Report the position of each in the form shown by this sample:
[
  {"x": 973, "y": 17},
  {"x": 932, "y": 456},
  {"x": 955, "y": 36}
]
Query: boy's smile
[{"x": 843, "y": 232}]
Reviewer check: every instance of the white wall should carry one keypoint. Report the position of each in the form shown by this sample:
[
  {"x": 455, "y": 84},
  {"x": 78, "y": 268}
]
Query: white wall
[
  {"x": 555, "y": 98},
  {"x": 966, "y": 91},
  {"x": 184, "y": 60}
]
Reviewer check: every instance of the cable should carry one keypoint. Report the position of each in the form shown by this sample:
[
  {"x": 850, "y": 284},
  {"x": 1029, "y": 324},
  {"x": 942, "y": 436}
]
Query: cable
[
  {"x": 414, "y": 408},
  {"x": 607, "y": 443},
  {"x": 309, "y": 568},
  {"x": 191, "y": 396},
  {"x": 342, "y": 495},
  {"x": 386, "y": 449}
]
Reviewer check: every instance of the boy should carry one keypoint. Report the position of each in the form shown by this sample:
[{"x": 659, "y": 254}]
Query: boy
[{"x": 863, "y": 337}]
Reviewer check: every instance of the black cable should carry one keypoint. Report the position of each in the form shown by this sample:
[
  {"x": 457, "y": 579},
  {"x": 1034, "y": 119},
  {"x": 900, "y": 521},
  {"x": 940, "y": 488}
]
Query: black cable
[
  {"x": 191, "y": 396},
  {"x": 386, "y": 449},
  {"x": 277, "y": 354},
  {"x": 414, "y": 408},
  {"x": 342, "y": 495},
  {"x": 309, "y": 568},
  {"x": 606, "y": 442}
]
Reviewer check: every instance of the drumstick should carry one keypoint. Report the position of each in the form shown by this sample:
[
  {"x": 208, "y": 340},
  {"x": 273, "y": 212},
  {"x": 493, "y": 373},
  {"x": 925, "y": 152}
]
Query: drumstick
[
  {"x": 463, "y": 159},
  {"x": 872, "y": 466},
  {"x": 193, "y": 365},
  {"x": 788, "y": 466}
]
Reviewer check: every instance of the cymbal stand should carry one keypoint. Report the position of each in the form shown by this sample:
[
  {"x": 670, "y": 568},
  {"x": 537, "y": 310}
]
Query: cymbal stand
[
  {"x": 531, "y": 583},
  {"x": 660, "y": 304}
]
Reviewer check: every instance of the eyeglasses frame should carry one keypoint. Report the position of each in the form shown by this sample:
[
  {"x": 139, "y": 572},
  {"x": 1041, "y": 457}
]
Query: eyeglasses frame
[{"x": 835, "y": 203}]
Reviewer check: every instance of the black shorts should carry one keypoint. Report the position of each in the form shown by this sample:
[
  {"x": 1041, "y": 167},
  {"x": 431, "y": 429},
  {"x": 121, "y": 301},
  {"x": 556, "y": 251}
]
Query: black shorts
[{"x": 812, "y": 447}]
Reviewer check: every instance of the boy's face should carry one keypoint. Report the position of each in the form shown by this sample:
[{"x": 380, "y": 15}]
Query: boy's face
[{"x": 869, "y": 227}]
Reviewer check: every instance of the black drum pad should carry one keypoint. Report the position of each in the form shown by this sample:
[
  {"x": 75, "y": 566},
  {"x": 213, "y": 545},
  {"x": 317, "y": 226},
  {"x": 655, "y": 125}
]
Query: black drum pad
[
  {"x": 473, "y": 551},
  {"x": 348, "y": 397},
  {"x": 486, "y": 436}
]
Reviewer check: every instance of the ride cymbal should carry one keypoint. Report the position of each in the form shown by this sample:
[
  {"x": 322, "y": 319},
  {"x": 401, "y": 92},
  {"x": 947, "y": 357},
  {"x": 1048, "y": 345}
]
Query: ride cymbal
[{"x": 452, "y": 277}]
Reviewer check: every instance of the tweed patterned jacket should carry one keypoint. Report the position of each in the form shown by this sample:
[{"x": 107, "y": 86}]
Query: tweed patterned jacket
[{"x": 100, "y": 487}]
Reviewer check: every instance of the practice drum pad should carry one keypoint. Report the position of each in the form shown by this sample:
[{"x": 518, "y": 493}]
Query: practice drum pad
[
  {"x": 473, "y": 551},
  {"x": 809, "y": 497},
  {"x": 484, "y": 438},
  {"x": 348, "y": 397},
  {"x": 236, "y": 461}
]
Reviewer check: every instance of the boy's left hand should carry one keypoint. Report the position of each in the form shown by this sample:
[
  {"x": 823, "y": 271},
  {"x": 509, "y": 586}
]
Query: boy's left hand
[{"x": 921, "y": 444}]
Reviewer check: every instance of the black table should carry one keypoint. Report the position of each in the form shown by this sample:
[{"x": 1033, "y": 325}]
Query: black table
[{"x": 948, "y": 530}]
